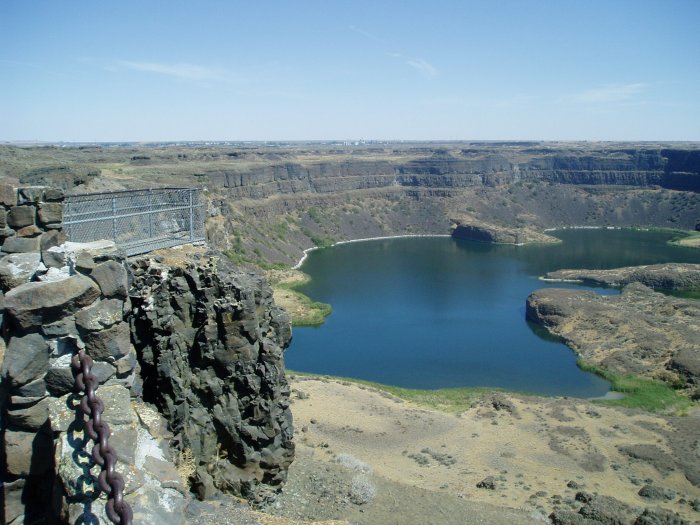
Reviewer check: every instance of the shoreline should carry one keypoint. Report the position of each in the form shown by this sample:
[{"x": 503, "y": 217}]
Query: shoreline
[{"x": 365, "y": 239}]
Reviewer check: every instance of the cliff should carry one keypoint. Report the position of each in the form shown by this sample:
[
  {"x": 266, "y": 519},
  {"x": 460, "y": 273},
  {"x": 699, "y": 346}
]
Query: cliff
[
  {"x": 210, "y": 343},
  {"x": 184, "y": 367}
]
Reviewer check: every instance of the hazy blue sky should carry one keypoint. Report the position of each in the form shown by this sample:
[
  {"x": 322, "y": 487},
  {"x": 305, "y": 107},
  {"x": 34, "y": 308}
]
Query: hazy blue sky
[{"x": 229, "y": 70}]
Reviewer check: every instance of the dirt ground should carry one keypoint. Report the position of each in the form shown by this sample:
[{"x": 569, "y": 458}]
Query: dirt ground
[{"x": 367, "y": 457}]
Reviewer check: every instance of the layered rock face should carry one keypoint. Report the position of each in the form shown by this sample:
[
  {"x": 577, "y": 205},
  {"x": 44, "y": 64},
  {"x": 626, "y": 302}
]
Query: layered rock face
[
  {"x": 211, "y": 342},
  {"x": 478, "y": 166}
]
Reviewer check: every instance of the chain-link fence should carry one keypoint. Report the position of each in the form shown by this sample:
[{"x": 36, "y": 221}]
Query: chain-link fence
[{"x": 137, "y": 220}]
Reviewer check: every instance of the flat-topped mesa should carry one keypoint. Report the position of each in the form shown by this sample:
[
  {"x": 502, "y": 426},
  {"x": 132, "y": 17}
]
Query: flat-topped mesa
[{"x": 667, "y": 276}]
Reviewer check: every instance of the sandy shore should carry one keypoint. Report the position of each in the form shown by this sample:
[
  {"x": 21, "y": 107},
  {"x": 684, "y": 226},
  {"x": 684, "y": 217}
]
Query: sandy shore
[
  {"x": 308, "y": 250},
  {"x": 540, "y": 451}
]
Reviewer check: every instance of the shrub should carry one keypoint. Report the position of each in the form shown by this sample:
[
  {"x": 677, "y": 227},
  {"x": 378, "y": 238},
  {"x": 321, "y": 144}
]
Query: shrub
[{"x": 362, "y": 490}]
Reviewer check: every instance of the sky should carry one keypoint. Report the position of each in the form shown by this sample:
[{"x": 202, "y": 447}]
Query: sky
[{"x": 172, "y": 70}]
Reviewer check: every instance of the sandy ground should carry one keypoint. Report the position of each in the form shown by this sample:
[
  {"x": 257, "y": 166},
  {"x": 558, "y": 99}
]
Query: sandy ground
[
  {"x": 692, "y": 242},
  {"x": 540, "y": 451}
]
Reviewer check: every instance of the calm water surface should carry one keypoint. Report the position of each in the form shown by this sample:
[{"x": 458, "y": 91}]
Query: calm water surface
[{"x": 439, "y": 313}]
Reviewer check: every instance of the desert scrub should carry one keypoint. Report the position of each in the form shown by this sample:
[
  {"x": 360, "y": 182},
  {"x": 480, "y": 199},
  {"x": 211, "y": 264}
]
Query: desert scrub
[
  {"x": 352, "y": 463},
  {"x": 185, "y": 466},
  {"x": 647, "y": 394},
  {"x": 362, "y": 490}
]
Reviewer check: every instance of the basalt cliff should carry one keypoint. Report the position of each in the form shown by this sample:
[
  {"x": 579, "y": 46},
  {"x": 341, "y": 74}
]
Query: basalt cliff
[{"x": 187, "y": 362}]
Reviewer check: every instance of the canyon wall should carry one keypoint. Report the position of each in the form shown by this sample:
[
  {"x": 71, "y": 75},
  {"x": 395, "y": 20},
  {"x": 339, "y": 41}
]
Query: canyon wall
[{"x": 671, "y": 169}]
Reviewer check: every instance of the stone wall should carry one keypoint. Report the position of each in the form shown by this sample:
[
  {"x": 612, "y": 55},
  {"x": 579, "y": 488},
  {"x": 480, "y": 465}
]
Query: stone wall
[{"x": 211, "y": 346}]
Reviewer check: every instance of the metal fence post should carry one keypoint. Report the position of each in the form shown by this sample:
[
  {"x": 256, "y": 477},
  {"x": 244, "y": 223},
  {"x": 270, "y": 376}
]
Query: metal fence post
[
  {"x": 150, "y": 215},
  {"x": 114, "y": 218},
  {"x": 191, "y": 215}
]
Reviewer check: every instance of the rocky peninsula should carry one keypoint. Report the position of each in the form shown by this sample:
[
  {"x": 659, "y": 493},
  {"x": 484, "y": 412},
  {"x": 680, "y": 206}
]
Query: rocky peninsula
[{"x": 669, "y": 276}]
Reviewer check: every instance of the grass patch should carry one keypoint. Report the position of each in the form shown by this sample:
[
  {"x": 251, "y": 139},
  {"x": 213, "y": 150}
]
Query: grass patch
[
  {"x": 315, "y": 312},
  {"x": 450, "y": 400},
  {"x": 311, "y": 313},
  {"x": 687, "y": 239},
  {"x": 647, "y": 394}
]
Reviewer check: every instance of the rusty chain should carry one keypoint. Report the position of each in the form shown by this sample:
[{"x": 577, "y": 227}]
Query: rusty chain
[{"x": 109, "y": 480}]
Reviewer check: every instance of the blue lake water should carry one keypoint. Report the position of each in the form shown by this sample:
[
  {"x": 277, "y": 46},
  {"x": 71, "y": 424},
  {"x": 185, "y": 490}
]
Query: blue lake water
[{"x": 439, "y": 312}]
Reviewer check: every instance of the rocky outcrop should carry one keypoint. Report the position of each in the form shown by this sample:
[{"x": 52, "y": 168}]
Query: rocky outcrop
[
  {"x": 210, "y": 342},
  {"x": 476, "y": 231},
  {"x": 670, "y": 276},
  {"x": 639, "y": 332}
]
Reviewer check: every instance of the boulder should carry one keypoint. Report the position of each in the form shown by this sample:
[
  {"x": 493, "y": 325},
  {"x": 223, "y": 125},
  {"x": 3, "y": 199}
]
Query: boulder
[
  {"x": 18, "y": 268},
  {"x": 35, "y": 304},
  {"x": 21, "y": 244},
  {"x": 51, "y": 256},
  {"x": 687, "y": 363},
  {"x": 99, "y": 316},
  {"x": 13, "y": 499},
  {"x": 28, "y": 453},
  {"x": 32, "y": 417},
  {"x": 59, "y": 381},
  {"x": 656, "y": 493},
  {"x": 30, "y": 194},
  {"x": 26, "y": 359},
  {"x": 110, "y": 344},
  {"x": 53, "y": 195},
  {"x": 21, "y": 216},
  {"x": 36, "y": 388},
  {"x": 111, "y": 278},
  {"x": 50, "y": 212},
  {"x": 29, "y": 231},
  {"x": 8, "y": 194}
]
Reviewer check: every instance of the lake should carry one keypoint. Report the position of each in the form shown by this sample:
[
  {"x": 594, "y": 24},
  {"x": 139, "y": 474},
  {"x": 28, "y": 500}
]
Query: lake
[{"x": 437, "y": 312}]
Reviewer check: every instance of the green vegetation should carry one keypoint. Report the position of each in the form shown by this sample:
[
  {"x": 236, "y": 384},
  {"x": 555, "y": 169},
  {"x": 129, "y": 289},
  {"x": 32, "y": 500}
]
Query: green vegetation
[
  {"x": 450, "y": 400},
  {"x": 322, "y": 241},
  {"x": 686, "y": 238},
  {"x": 313, "y": 313},
  {"x": 238, "y": 258},
  {"x": 647, "y": 394}
]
